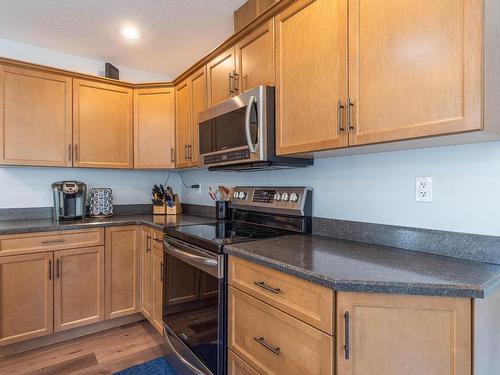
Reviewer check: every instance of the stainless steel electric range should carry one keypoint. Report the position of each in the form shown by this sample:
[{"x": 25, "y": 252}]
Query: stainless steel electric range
[{"x": 194, "y": 311}]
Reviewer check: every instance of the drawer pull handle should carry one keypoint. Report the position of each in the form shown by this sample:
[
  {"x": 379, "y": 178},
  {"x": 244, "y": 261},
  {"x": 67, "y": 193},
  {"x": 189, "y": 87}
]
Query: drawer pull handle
[
  {"x": 263, "y": 285},
  {"x": 50, "y": 242},
  {"x": 261, "y": 341},
  {"x": 346, "y": 333}
]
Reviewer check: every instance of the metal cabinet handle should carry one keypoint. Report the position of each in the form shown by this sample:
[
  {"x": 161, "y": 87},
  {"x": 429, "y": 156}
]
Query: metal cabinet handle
[
  {"x": 275, "y": 350},
  {"x": 236, "y": 79},
  {"x": 231, "y": 89},
  {"x": 76, "y": 153},
  {"x": 70, "y": 156},
  {"x": 346, "y": 335},
  {"x": 148, "y": 244},
  {"x": 349, "y": 116},
  {"x": 186, "y": 155},
  {"x": 58, "y": 268},
  {"x": 51, "y": 242},
  {"x": 340, "y": 107},
  {"x": 50, "y": 269},
  {"x": 263, "y": 285},
  {"x": 161, "y": 271},
  {"x": 172, "y": 155}
]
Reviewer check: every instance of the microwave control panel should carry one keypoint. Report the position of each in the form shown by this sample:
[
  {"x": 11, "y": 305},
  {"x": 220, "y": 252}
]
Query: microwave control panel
[{"x": 226, "y": 157}]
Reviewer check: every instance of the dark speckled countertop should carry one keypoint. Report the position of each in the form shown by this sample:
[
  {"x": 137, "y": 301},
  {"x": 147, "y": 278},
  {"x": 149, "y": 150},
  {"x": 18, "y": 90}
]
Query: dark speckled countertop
[
  {"x": 360, "y": 267},
  {"x": 41, "y": 225}
]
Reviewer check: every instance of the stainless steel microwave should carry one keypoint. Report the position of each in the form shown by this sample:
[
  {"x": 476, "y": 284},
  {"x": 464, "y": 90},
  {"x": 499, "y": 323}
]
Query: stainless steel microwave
[{"x": 239, "y": 134}]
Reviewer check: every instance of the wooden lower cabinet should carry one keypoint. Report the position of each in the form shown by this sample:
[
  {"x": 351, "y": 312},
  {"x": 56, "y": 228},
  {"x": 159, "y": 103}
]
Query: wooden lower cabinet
[
  {"x": 237, "y": 366},
  {"x": 122, "y": 271},
  {"x": 273, "y": 342},
  {"x": 146, "y": 276},
  {"x": 78, "y": 287},
  {"x": 157, "y": 290},
  {"x": 26, "y": 297},
  {"x": 396, "y": 334}
]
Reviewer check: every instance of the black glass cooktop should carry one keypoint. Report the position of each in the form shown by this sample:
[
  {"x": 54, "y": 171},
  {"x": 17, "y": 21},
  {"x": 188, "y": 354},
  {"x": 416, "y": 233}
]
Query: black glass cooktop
[{"x": 222, "y": 233}]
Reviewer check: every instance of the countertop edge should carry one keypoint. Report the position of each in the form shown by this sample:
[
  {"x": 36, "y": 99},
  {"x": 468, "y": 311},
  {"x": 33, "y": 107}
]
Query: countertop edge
[{"x": 443, "y": 290}]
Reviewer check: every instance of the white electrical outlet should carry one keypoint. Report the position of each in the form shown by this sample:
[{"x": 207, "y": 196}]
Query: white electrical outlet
[{"x": 423, "y": 189}]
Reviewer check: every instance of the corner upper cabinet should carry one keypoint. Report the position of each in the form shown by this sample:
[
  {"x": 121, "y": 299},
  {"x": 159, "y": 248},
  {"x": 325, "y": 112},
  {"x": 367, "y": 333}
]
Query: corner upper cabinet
[
  {"x": 182, "y": 124},
  {"x": 396, "y": 334},
  {"x": 222, "y": 79},
  {"x": 311, "y": 78},
  {"x": 102, "y": 125},
  {"x": 255, "y": 58},
  {"x": 198, "y": 87},
  {"x": 414, "y": 69},
  {"x": 35, "y": 118},
  {"x": 154, "y": 128}
]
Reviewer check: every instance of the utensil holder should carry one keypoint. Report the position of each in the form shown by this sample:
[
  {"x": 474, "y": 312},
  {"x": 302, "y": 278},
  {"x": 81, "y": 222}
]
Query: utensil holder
[{"x": 222, "y": 210}]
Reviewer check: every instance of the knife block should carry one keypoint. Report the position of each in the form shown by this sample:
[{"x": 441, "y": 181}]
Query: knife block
[{"x": 163, "y": 209}]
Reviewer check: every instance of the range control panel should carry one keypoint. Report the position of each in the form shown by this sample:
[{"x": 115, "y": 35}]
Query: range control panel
[{"x": 282, "y": 198}]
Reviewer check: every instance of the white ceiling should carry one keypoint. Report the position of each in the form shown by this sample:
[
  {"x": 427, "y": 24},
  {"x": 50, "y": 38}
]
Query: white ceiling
[{"x": 175, "y": 33}]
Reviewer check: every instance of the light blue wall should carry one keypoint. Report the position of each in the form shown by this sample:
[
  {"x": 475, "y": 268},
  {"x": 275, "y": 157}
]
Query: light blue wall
[{"x": 380, "y": 188}]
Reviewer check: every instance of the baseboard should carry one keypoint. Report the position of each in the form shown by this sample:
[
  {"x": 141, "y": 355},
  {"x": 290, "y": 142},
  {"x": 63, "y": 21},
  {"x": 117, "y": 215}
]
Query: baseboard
[{"x": 58, "y": 337}]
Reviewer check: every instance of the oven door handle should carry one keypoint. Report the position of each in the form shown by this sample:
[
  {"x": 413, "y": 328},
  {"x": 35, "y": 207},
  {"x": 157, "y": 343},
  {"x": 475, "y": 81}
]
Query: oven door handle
[
  {"x": 248, "y": 112},
  {"x": 197, "y": 258},
  {"x": 196, "y": 370},
  {"x": 205, "y": 261}
]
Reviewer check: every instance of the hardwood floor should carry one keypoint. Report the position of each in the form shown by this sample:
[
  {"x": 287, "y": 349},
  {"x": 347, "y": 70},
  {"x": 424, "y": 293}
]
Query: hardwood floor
[{"x": 101, "y": 353}]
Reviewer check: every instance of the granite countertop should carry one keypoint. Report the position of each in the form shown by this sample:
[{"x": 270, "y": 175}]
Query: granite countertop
[
  {"x": 360, "y": 267},
  {"x": 155, "y": 221}
]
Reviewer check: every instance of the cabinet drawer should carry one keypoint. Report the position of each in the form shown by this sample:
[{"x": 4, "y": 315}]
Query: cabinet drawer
[
  {"x": 311, "y": 303},
  {"x": 236, "y": 366},
  {"x": 44, "y": 241},
  {"x": 273, "y": 342}
]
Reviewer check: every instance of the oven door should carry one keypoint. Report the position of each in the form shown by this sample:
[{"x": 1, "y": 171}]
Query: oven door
[
  {"x": 194, "y": 307},
  {"x": 236, "y": 130}
]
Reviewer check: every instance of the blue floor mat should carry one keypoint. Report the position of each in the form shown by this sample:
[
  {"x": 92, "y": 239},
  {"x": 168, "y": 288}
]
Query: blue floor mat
[{"x": 158, "y": 366}]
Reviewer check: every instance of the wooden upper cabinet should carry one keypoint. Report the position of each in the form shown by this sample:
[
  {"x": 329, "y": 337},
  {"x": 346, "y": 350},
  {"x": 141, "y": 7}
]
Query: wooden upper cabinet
[
  {"x": 154, "y": 128},
  {"x": 396, "y": 334},
  {"x": 221, "y": 80},
  {"x": 311, "y": 58},
  {"x": 255, "y": 58},
  {"x": 26, "y": 297},
  {"x": 182, "y": 124},
  {"x": 35, "y": 118},
  {"x": 122, "y": 271},
  {"x": 415, "y": 69},
  {"x": 102, "y": 125},
  {"x": 78, "y": 287},
  {"x": 198, "y": 91}
]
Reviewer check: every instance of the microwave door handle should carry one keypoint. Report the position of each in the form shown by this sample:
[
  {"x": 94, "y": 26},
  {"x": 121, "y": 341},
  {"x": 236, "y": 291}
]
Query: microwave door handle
[{"x": 248, "y": 112}]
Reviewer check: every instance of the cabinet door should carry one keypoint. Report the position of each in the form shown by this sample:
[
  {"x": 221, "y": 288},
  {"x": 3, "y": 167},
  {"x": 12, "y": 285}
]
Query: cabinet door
[
  {"x": 157, "y": 273},
  {"x": 182, "y": 124},
  {"x": 198, "y": 95},
  {"x": 146, "y": 277},
  {"x": 35, "y": 118},
  {"x": 414, "y": 69},
  {"x": 183, "y": 282},
  {"x": 122, "y": 274},
  {"x": 311, "y": 75},
  {"x": 78, "y": 287},
  {"x": 102, "y": 125},
  {"x": 236, "y": 366},
  {"x": 219, "y": 72},
  {"x": 26, "y": 297},
  {"x": 154, "y": 128},
  {"x": 411, "y": 335},
  {"x": 255, "y": 58}
]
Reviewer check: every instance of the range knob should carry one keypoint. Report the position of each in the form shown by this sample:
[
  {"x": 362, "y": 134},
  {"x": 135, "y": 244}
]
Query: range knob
[
  {"x": 236, "y": 195},
  {"x": 277, "y": 197},
  {"x": 242, "y": 195},
  {"x": 294, "y": 197},
  {"x": 285, "y": 197}
]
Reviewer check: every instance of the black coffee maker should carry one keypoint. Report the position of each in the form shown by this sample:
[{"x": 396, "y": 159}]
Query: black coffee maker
[{"x": 70, "y": 199}]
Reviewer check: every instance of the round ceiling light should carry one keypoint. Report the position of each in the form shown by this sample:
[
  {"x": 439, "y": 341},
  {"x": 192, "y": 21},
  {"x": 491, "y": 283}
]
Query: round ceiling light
[{"x": 130, "y": 33}]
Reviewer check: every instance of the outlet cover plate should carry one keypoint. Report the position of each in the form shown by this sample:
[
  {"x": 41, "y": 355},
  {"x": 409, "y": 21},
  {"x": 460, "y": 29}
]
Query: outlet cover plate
[{"x": 423, "y": 189}]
